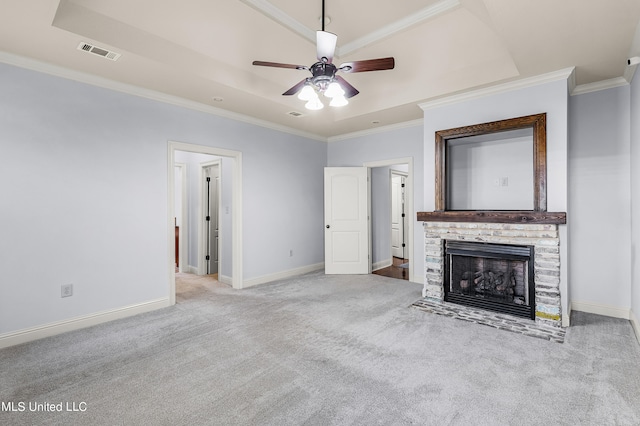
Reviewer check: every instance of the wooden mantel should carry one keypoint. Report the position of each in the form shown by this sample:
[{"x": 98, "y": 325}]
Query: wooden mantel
[{"x": 493, "y": 216}]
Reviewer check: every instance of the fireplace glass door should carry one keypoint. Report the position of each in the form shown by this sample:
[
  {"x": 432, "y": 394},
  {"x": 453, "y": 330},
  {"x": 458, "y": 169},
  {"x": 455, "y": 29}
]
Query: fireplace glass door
[{"x": 490, "y": 276}]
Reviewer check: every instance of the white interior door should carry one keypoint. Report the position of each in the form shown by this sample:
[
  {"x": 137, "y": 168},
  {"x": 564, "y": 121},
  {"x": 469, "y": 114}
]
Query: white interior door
[
  {"x": 398, "y": 240},
  {"x": 346, "y": 212}
]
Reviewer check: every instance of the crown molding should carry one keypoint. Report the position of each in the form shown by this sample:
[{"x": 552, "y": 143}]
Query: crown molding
[
  {"x": 568, "y": 73},
  {"x": 266, "y": 8},
  {"x": 564, "y": 74},
  {"x": 634, "y": 50},
  {"x": 630, "y": 72},
  {"x": 571, "y": 82},
  {"x": 599, "y": 85},
  {"x": 269, "y": 10},
  {"x": 398, "y": 26},
  {"x": 34, "y": 65},
  {"x": 381, "y": 129}
]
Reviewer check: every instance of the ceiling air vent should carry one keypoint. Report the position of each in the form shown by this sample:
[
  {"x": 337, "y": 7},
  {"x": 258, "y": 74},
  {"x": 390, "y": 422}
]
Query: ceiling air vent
[
  {"x": 98, "y": 51},
  {"x": 295, "y": 114}
]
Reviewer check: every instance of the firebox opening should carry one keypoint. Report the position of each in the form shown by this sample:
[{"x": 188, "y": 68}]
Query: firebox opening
[{"x": 490, "y": 276}]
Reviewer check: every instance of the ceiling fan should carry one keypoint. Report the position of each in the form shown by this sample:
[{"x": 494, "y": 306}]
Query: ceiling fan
[{"x": 323, "y": 73}]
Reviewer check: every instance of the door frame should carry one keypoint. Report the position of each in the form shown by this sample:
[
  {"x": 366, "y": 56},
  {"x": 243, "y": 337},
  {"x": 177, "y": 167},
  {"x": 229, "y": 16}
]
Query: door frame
[
  {"x": 183, "y": 255},
  {"x": 236, "y": 210},
  {"x": 201, "y": 204},
  {"x": 408, "y": 202}
]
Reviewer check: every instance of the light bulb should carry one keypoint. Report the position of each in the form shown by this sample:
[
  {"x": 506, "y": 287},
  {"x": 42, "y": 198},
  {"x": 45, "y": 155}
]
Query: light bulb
[
  {"x": 338, "y": 101},
  {"x": 307, "y": 93},
  {"x": 334, "y": 90},
  {"x": 314, "y": 104}
]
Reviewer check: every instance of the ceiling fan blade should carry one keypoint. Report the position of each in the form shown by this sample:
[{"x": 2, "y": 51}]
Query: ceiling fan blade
[
  {"x": 326, "y": 45},
  {"x": 295, "y": 89},
  {"x": 368, "y": 65},
  {"x": 279, "y": 65},
  {"x": 349, "y": 90}
]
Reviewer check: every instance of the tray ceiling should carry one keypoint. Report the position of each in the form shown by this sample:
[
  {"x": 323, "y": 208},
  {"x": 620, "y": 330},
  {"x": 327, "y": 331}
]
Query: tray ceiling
[{"x": 202, "y": 51}]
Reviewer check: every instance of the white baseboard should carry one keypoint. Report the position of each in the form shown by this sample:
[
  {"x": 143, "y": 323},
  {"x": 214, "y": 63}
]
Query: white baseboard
[
  {"x": 225, "y": 279},
  {"x": 47, "y": 330},
  {"x": 281, "y": 275},
  {"x": 566, "y": 317},
  {"x": 189, "y": 269},
  {"x": 635, "y": 324},
  {"x": 606, "y": 310},
  {"x": 381, "y": 264}
]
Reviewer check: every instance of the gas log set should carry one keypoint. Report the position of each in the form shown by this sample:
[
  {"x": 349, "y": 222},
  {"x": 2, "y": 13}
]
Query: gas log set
[{"x": 492, "y": 283}]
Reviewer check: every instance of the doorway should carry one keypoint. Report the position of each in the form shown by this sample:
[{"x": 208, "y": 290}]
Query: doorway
[
  {"x": 234, "y": 210},
  {"x": 391, "y": 217},
  {"x": 399, "y": 267},
  {"x": 199, "y": 242}
]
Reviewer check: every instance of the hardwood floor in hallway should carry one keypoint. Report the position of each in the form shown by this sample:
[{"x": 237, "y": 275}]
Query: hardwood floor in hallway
[{"x": 395, "y": 270}]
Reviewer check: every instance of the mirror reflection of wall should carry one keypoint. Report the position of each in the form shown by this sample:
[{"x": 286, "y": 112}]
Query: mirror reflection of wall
[{"x": 491, "y": 172}]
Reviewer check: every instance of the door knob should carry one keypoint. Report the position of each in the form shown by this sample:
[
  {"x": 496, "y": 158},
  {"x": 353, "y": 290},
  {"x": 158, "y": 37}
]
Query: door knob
[{"x": 328, "y": 226}]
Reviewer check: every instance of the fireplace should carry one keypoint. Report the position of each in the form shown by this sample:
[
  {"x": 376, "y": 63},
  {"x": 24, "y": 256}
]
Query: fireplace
[
  {"x": 484, "y": 260},
  {"x": 496, "y": 277},
  {"x": 536, "y": 246},
  {"x": 530, "y": 253}
]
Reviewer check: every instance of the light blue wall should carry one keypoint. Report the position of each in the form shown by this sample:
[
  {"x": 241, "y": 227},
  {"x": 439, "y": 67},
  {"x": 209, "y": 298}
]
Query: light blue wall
[
  {"x": 389, "y": 145},
  {"x": 476, "y": 170},
  {"x": 635, "y": 193},
  {"x": 599, "y": 198},
  {"x": 84, "y": 186}
]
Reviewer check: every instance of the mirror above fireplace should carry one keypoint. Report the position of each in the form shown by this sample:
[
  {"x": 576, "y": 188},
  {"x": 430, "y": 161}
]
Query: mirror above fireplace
[
  {"x": 493, "y": 172},
  {"x": 499, "y": 165}
]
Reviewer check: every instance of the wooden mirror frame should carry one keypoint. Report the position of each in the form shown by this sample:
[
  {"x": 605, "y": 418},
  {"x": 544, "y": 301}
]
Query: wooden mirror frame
[{"x": 539, "y": 124}]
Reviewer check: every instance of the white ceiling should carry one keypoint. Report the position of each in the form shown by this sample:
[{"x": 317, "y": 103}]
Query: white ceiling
[{"x": 199, "y": 50}]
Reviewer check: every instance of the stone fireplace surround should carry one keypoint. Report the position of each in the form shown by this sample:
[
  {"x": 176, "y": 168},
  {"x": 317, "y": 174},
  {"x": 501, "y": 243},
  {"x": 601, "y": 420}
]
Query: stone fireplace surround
[{"x": 546, "y": 242}]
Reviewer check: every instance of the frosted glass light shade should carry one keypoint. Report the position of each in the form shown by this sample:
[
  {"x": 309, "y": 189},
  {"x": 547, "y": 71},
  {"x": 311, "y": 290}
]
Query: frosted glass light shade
[
  {"x": 307, "y": 93},
  {"x": 314, "y": 104},
  {"x": 334, "y": 90},
  {"x": 338, "y": 101}
]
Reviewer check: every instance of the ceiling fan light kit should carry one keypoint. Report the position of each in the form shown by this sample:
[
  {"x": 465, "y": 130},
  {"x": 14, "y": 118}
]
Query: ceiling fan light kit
[{"x": 323, "y": 73}]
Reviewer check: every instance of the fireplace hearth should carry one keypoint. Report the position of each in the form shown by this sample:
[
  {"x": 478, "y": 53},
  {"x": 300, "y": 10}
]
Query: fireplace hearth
[{"x": 496, "y": 277}]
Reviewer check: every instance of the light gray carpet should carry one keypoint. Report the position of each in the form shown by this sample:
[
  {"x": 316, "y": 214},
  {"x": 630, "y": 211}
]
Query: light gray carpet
[{"x": 323, "y": 350}]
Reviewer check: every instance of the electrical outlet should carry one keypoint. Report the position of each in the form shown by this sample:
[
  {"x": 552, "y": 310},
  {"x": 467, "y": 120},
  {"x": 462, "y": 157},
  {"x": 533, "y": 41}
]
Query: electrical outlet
[{"x": 66, "y": 290}]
